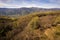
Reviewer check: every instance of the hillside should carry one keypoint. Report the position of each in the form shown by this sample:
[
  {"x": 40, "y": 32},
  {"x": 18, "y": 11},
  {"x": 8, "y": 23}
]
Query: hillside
[{"x": 35, "y": 26}]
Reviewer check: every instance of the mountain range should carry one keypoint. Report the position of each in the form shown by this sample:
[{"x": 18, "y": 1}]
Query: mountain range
[{"x": 23, "y": 10}]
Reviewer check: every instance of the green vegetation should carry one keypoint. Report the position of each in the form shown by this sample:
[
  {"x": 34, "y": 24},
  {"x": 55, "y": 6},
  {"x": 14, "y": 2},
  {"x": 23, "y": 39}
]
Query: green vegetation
[
  {"x": 35, "y": 26},
  {"x": 34, "y": 23}
]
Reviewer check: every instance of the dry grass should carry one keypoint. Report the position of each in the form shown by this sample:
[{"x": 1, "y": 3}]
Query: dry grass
[{"x": 36, "y": 26}]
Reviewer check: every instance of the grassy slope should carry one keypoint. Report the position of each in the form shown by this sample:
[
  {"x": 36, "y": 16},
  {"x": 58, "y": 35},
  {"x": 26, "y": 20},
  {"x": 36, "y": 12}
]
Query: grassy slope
[{"x": 37, "y": 26}]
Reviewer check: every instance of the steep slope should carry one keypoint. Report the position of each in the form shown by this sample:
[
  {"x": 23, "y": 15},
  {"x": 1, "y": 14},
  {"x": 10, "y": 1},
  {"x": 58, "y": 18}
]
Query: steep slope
[{"x": 36, "y": 26}]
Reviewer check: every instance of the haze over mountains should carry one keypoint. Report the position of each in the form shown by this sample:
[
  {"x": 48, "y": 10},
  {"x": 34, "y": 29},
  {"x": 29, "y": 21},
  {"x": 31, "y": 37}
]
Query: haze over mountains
[{"x": 23, "y": 10}]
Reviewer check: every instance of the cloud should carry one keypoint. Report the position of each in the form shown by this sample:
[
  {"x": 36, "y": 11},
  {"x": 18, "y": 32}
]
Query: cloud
[
  {"x": 5, "y": 1},
  {"x": 55, "y": 1},
  {"x": 3, "y": 5},
  {"x": 30, "y": 3}
]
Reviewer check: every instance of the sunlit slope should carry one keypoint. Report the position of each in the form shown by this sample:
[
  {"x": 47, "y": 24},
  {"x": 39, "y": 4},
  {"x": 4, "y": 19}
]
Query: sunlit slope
[
  {"x": 35, "y": 26},
  {"x": 39, "y": 26}
]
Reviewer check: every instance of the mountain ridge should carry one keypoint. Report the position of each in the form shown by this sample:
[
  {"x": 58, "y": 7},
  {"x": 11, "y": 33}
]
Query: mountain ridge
[{"x": 23, "y": 10}]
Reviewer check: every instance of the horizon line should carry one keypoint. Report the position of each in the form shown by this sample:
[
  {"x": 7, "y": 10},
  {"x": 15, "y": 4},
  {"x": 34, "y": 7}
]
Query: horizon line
[{"x": 30, "y": 7}]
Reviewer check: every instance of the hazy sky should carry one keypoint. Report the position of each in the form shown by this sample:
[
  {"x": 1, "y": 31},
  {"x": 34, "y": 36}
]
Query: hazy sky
[{"x": 29, "y": 3}]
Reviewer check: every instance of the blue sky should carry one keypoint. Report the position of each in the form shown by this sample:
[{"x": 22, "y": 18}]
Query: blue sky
[{"x": 29, "y": 3}]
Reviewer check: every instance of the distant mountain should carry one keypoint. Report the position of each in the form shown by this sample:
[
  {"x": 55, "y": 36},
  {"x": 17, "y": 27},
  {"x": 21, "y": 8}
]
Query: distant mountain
[{"x": 22, "y": 11}]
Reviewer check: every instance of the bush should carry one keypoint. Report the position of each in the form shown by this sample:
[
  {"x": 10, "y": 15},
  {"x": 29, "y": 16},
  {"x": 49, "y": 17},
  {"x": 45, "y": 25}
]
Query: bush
[{"x": 34, "y": 23}]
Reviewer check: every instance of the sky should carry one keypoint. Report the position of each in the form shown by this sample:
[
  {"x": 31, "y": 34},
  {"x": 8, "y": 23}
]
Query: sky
[{"x": 29, "y": 3}]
